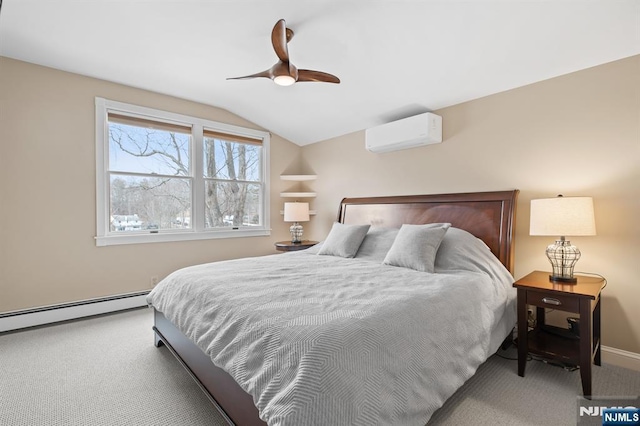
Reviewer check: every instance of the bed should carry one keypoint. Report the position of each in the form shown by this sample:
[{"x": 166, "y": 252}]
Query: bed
[{"x": 302, "y": 338}]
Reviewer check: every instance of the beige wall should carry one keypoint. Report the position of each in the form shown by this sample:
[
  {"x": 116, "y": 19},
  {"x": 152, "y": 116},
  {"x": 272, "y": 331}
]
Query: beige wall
[
  {"x": 577, "y": 134},
  {"x": 47, "y": 193}
]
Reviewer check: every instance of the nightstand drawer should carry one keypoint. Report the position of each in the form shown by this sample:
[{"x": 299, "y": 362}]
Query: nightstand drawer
[{"x": 556, "y": 301}]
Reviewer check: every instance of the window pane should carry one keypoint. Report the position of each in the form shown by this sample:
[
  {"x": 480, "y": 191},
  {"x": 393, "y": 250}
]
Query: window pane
[
  {"x": 232, "y": 204},
  {"x": 147, "y": 150},
  {"x": 148, "y": 204},
  {"x": 231, "y": 160}
]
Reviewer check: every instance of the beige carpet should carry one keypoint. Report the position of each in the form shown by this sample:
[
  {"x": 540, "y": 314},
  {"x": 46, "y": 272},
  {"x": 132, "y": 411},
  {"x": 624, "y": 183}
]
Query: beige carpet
[
  {"x": 106, "y": 371},
  {"x": 98, "y": 371}
]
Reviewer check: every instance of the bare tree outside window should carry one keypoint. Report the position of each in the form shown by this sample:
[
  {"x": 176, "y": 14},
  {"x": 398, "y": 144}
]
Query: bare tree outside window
[
  {"x": 232, "y": 183},
  {"x": 163, "y": 176},
  {"x": 151, "y": 179}
]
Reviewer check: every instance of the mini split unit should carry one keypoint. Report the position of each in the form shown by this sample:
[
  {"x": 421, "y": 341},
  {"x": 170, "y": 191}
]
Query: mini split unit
[{"x": 419, "y": 130}]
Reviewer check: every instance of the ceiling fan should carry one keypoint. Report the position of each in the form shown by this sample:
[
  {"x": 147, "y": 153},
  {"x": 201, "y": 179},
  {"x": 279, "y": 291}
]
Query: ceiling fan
[{"x": 284, "y": 73}]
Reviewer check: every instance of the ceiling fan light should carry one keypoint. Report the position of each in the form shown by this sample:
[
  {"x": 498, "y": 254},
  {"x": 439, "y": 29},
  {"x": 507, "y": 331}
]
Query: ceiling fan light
[{"x": 284, "y": 80}]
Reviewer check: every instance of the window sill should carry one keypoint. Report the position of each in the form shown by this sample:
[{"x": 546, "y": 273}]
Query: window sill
[{"x": 114, "y": 240}]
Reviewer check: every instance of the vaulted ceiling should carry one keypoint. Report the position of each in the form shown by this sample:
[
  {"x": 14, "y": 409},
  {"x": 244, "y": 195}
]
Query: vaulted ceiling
[{"x": 395, "y": 58}]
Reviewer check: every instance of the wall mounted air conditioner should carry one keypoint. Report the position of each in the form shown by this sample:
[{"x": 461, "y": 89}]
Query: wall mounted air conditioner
[{"x": 419, "y": 130}]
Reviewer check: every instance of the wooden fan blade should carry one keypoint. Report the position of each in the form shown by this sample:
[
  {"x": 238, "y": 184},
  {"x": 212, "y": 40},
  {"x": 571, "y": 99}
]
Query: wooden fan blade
[
  {"x": 284, "y": 68},
  {"x": 319, "y": 76},
  {"x": 267, "y": 73},
  {"x": 279, "y": 40}
]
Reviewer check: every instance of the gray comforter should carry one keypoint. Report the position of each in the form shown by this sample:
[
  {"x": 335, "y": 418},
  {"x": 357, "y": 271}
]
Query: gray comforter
[{"x": 323, "y": 340}]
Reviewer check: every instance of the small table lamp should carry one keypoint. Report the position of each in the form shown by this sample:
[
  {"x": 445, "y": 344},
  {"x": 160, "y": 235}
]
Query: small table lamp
[
  {"x": 296, "y": 212},
  {"x": 562, "y": 216}
]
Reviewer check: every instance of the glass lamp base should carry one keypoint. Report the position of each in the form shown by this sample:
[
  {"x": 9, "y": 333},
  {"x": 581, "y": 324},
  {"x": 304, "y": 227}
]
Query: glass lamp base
[
  {"x": 563, "y": 256},
  {"x": 296, "y": 232}
]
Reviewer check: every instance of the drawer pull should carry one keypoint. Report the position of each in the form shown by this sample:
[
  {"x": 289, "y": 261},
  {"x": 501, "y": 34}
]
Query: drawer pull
[{"x": 551, "y": 301}]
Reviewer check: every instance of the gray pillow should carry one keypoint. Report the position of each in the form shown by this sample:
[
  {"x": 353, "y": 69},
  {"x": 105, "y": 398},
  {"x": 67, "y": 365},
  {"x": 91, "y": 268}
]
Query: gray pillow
[
  {"x": 344, "y": 240},
  {"x": 377, "y": 243},
  {"x": 416, "y": 246},
  {"x": 462, "y": 251}
]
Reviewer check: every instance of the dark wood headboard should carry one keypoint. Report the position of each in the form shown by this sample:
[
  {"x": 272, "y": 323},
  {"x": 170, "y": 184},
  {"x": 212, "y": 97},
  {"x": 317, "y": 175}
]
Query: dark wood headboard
[{"x": 489, "y": 216}]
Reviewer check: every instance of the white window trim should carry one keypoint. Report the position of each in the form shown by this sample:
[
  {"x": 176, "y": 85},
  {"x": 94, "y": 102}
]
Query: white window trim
[{"x": 198, "y": 232}]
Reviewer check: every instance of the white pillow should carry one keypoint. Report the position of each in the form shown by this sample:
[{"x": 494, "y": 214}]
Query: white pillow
[
  {"x": 416, "y": 246},
  {"x": 343, "y": 240},
  {"x": 377, "y": 243}
]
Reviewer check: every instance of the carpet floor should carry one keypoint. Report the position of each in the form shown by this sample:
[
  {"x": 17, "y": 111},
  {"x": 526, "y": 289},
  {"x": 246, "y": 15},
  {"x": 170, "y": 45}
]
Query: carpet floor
[{"x": 106, "y": 371}]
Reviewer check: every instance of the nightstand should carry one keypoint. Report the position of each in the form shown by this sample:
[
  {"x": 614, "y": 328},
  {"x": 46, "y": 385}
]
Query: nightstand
[
  {"x": 553, "y": 342},
  {"x": 289, "y": 246}
]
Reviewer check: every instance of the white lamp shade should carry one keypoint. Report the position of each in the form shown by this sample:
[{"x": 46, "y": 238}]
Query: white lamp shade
[
  {"x": 296, "y": 212},
  {"x": 562, "y": 216}
]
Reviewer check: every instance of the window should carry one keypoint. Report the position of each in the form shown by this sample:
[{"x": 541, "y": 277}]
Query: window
[
  {"x": 168, "y": 177},
  {"x": 232, "y": 180}
]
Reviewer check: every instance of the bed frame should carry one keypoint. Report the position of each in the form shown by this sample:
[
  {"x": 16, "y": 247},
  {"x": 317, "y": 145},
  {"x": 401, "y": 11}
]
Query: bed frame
[{"x": 489, "y": 216}]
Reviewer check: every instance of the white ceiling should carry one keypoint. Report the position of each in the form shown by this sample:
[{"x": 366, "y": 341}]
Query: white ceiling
[{"x": 395, "y": 58}]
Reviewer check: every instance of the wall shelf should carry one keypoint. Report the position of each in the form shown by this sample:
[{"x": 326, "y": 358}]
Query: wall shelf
[
  {"x": 299, "y": 178},
  {"x": 298, "y": 194},
  {"x": 311, "y": 212},
  {"x": 301, "y": 193}
]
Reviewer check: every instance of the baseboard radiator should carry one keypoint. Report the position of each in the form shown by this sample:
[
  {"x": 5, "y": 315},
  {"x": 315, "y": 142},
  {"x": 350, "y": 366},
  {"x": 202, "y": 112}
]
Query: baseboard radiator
[{"x": 25, "y": 318}]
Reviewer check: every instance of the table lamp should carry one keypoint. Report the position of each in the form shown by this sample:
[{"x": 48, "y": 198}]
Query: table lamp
[
  {"x": 296, "y": 212},
  {"x": 562, "y": 216}
]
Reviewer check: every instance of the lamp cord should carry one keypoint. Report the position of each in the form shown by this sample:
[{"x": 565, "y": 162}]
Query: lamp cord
[{"x": 595, "y": 275}]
